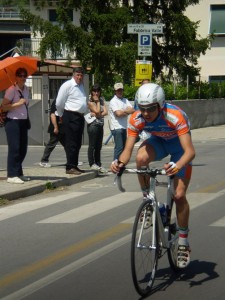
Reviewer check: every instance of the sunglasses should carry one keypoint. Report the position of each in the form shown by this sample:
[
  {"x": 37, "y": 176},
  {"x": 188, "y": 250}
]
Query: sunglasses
[
  {"x": 151, "y": 108},
  {"x": 22, "y": 75}
]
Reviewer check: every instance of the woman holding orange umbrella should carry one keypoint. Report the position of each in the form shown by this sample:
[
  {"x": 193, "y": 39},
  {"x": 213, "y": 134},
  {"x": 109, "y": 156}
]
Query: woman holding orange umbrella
[{"x": 15, "y": 102}]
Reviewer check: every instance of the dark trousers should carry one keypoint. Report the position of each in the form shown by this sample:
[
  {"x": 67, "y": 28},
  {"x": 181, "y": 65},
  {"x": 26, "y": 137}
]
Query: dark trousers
[
  {"x": 95, "y": 134},
  {"x": 120, "y": 136},
  {"x": 53, "y": 141},
  {"x": 17, "y": 139},
  {"x": 74, "y": 128}
]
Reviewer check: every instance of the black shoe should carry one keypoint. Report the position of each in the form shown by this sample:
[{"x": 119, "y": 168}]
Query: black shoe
[
  {"x": 79, "y": 170},
  {"x": 73, "y": 171}
]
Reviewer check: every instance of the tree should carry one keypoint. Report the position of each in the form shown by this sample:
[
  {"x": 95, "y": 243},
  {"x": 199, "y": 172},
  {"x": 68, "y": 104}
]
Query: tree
[
  {"x": 101, "y": 41},
  {"x": 13, "y": 3}
]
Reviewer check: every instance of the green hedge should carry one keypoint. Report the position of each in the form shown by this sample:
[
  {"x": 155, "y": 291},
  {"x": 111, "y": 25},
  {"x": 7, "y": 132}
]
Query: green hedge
[{"x": 201, "y": 90}]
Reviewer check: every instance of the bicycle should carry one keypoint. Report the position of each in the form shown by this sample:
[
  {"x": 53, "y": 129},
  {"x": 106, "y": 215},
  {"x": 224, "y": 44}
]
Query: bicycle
[{"x": 152, "y": 237}]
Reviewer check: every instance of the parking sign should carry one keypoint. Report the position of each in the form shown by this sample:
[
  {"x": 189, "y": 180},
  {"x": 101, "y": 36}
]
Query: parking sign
[
  {"x": 144, "y": 44},
  {"x": 145, "y": 40}
]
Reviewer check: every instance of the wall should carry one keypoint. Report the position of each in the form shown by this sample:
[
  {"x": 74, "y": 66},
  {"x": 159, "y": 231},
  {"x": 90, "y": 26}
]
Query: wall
[
  {"x": 202, "y": 113},
  {"x": 205, "y": 112}
]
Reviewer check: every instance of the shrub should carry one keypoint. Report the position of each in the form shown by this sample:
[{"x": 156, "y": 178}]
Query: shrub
[{"x": 202, "y": 90}]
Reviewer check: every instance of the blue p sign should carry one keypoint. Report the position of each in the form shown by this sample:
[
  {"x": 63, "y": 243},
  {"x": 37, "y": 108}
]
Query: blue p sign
[{"x": 145, "y": 40}]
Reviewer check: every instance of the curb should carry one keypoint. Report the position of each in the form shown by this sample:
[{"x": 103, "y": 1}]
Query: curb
[{"x": 38, "y": 188}]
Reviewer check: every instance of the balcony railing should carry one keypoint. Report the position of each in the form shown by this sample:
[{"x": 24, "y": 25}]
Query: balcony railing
[
  {"x": 31, "y": 47},
  {"x": 9, "y": 13}
]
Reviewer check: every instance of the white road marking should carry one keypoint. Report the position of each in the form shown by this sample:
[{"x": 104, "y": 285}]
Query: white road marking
[
  {"x": 129, "y": 221},
  {"x": 197, "y": 199},
  {"x": 24, "y": 207},
  {"x": 92, "y": 209},
  {"x": 219, "y": 223}
]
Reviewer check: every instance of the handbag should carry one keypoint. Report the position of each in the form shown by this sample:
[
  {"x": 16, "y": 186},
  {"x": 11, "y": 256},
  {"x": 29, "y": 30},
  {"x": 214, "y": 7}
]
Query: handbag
[
  {"x": 3, "y": 115},
  {"x": 28, "y": 123},
  {"x": 89, "y": 118},
  {"x": 28, "y": 119}
]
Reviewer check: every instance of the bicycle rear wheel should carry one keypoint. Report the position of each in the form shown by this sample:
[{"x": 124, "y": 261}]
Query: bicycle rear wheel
[
  {"x": 144, "y": 249},
  {"x": 172, "y": 237}
]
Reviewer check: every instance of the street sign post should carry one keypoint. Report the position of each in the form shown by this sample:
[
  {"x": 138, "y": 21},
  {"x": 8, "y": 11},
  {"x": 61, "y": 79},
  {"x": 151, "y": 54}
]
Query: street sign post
[
  {"x": 143, "y": 70},
  {"x": 145, "y": 28},
  {"x": 145, "y": 32}
]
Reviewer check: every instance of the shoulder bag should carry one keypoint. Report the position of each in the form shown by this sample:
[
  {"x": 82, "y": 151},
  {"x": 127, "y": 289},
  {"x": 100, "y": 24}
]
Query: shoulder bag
[{"x": 28, "y": 119}]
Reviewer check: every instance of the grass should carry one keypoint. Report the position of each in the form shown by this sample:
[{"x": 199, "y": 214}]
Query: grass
[{"x": 3, "y": 201}]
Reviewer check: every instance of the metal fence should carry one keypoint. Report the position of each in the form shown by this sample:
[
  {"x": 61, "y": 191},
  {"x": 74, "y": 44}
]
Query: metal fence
[{"x": 9, "y": 13}]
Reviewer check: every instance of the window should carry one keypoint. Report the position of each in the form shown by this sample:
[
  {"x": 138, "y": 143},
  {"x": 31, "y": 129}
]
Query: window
[
  {"x": 217, "y": 22},
  {"x": 217, "y": 78},
  {"x": 53, "y": 15}
]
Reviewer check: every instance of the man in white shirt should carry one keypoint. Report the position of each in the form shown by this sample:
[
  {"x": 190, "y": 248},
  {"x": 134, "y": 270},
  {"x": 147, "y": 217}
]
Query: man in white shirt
[
  {"x": 119, "y": 109},
  {"x": 71, "y": 104}
]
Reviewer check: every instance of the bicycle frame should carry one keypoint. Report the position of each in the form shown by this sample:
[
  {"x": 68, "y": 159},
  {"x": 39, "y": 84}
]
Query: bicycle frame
[
  {"x": 163, "y": 230},
  {"x": 152, "y": 195},
  {"x": 149, "y": 234}
]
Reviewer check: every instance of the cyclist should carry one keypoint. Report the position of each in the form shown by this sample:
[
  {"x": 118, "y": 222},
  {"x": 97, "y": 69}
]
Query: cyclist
[{"x": 169, "y": 130}]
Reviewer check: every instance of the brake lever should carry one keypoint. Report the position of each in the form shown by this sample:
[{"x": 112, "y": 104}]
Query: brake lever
[{"x": 118, "y": 180}]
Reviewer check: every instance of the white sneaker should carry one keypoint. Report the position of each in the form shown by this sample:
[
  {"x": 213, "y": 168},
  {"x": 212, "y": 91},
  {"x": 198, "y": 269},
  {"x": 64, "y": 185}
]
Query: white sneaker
[
  {"x": 183, "y": 256},
  {"x": 102, "y": 170},
  {"x": 14, "y": 180},
  {"x": 95, "y": 167},
  {"x": 45, "y": 165},
  {"x": 25, "y": 178}
]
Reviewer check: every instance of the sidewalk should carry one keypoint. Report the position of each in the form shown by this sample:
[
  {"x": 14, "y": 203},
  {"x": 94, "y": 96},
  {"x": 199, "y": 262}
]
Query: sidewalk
[{"x": 48, "y": 178}]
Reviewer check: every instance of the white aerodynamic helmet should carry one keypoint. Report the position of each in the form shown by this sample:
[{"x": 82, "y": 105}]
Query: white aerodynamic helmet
[{"x": 150, "y": 93}]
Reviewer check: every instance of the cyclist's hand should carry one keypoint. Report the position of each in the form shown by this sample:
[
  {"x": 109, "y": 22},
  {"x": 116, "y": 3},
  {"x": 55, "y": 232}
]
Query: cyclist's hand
[
  {"x": 171, "y": 168},
  {"x": 116, "y": 166}
]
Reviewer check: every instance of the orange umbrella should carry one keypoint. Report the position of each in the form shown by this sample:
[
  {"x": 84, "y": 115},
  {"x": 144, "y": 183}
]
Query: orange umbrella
[{"x": 9, "y": 66}]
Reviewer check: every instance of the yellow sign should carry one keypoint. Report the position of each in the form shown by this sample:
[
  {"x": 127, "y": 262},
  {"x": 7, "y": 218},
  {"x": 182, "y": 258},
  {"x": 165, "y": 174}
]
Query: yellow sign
[{"x": 143, "y": 70}]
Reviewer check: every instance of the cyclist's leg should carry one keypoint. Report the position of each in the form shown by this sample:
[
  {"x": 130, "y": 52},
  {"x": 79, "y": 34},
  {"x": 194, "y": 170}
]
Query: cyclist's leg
[
  {"x": 182, "y": 209},
  {"x": 181, "y": 183},
  {"x": 150, "y": 150},
  {"x": 180, "y": 188}
]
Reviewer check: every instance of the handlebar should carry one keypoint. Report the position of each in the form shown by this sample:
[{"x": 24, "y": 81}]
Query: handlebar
[{"x": 152, "y": 172}]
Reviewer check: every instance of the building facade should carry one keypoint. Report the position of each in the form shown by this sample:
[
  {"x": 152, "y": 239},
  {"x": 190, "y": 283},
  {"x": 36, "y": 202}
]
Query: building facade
[{"x": 211, "y": 14}]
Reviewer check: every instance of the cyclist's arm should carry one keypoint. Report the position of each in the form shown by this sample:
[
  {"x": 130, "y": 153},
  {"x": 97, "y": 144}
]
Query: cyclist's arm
[
  {"x": 189, "y": 151},
  {"x": 187, "y": 157}
]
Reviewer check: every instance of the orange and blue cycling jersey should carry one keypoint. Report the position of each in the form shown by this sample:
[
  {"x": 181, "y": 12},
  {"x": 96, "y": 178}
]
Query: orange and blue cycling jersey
[{"x": 171, "y": 123}]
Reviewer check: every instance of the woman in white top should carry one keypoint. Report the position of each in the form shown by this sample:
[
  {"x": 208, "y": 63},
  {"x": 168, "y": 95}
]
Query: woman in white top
[{"x": 15, "y": 103}]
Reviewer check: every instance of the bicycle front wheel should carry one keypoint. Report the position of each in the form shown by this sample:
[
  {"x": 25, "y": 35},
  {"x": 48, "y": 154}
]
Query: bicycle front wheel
[{"x": 144, "y": 249}]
